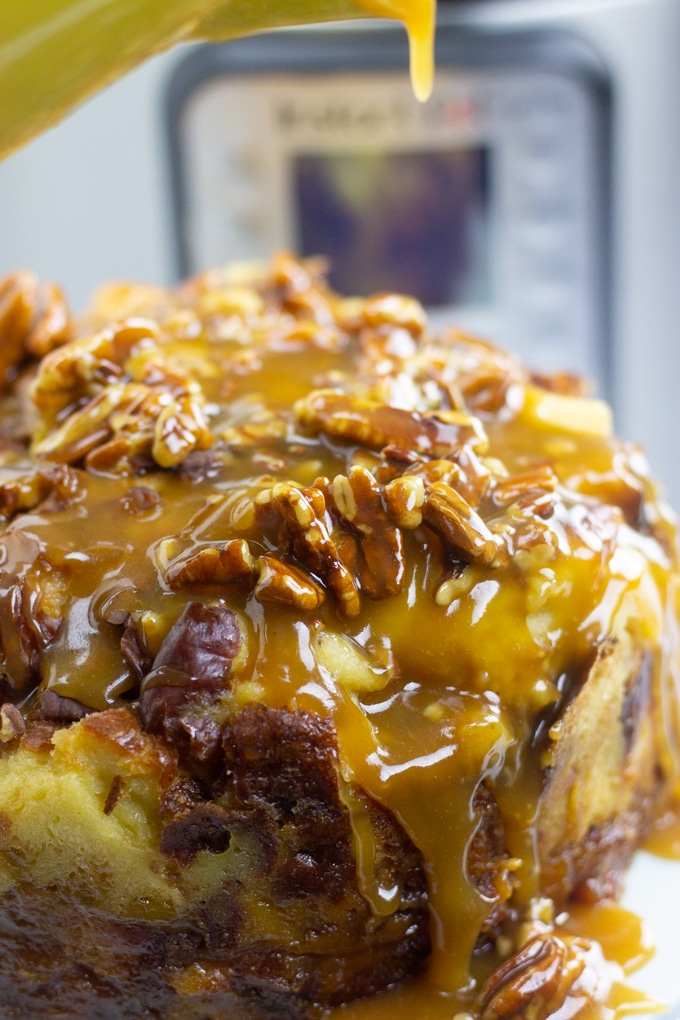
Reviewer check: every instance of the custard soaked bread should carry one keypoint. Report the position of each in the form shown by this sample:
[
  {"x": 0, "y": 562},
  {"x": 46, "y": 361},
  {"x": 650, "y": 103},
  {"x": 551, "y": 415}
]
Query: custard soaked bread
[{"x": 333, "y": 653}]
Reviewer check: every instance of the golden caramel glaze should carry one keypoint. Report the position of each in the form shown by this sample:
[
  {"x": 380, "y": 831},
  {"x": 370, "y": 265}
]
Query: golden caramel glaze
[{"x": 452, "y": 562}]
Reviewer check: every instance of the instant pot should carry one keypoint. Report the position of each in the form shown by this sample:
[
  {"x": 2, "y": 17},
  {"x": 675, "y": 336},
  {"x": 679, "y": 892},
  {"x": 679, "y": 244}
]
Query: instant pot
[{"x": 533, "y": 200}]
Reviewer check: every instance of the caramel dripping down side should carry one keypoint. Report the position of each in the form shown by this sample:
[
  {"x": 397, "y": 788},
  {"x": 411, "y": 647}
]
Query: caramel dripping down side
[
  {"x": 56, "y": 57},
  {"x": 424, "y": 697}
]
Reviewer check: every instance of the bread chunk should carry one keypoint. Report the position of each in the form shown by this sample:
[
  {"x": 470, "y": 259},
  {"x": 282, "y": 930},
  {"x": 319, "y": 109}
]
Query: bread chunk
[{"x": 336, "y": 657}]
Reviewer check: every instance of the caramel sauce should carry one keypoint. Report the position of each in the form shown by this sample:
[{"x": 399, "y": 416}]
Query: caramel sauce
[
  {"x": 664, "y": 837},
  {"x": 453, "y": 676}
]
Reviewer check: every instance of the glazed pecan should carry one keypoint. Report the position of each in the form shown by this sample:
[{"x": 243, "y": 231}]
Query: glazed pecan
[
  {"x": 404, "y": 498},
  {"x": 460, "y": 527},
  {"x": 232, "y": 561},
  {"x": 85, "y": 365},
  {"x": 358, "y": 501},
  {"x": 180, "y": 428},
  {"x": 538, "y": 480},
  {"x": 51, "y": 326},
  {"x": 394, "y": 310},
  {"x": 12, "y": 723},
  {"x": 283, "y": 584},
  {"x": 536, "y": 981},
  {"x": 83, "y": 430},
  {"x": 295, "y": 512},
  {"x": 18, "y": 297},
  {"x": 377, "y": 425},
  {"x": 54, "y": 486}
]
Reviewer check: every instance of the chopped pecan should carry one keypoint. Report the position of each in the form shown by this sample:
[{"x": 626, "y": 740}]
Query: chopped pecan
[
  {"x": 18, "y": 296},
  {"x": 232, "y": 561},
  {"x": 52, "y": 488},
  {"x": 306, "y": 535},
  {"x": 461, "y": 528},
  {"x": 405, "y": 498},
  {"x": 201, "y": 466},
  {"x": 192, "y": 667},
  {"x": 139, "y": 499},
  {"x": 85, "y": 365},
  {"x": 538, "y": 479},
  {"x": 52, "y": 324},
  {"x": 283, "y": 584},
  {"x": 83, "y": 430},
  {"x": 12, "y": 723},
  {"x": 378, "y": 425},
  {"x": 358, "y": 500},
  {"x": 114, "y": 794},
  {"x": 57, "y": 708},
  {"x": 394, "y": 310},
  {"x": 180, "y": 428},
  {"x": 536, "y": 981}
]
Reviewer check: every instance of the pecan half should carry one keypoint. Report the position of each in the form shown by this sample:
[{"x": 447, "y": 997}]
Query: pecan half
[
  {"x": 537, "y": 480},
  {"x": 536, "y": 981},
  {"x": 378, "y": 425},
  {"x": 295, "y": 513},
  {"x": 460, "y": 527},
  {"x": 285, "y": 585},
  {"x": 404, "y": 498},
  {"x": 232, "y": 561},
  {"x": 180, "y": 428},
  {"x": 191, "y": 669},
  {"x": 18, "y": 296},
  {"x": 12, "y": 723},
  {"x": 52, "y": 324},
  {"x": 358, "y": 500}
]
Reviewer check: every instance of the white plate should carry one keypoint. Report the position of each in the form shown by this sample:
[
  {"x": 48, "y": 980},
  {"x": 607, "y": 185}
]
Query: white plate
[{"x": 653, "y": 893}]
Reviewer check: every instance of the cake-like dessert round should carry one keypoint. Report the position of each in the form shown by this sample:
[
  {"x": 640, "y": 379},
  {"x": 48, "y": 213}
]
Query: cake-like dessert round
[{"x": 334, "y": 653}]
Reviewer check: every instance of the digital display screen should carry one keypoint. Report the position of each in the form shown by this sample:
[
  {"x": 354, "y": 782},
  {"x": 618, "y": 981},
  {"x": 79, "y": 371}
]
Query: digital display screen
[{"x": 412, "y": 222}]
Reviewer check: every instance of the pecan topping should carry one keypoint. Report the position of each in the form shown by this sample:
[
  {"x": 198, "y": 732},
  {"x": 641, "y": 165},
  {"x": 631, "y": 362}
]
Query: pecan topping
[
  {"x": 461, "y": 528},
  {"x": 394, "y": 310},
  {"x": 179, "y": 429},
  {"x": 11, "y": 723},
  {"x": 358, "y": 501},
  {"x": 539, "y": 480},
  {"x": 53, "y": 488},
  {"x": 84, "y": 429},
  {"x": 286, "y": 585},
  {"x": 192, "y": 668},
  {"x": 536, "y": 981},
  {"x": 52, "y": 324},
  {"x": 232, "y": 561},
  {"x": 378, "y": 425},
  {"x": 18, "y": 295},
  {"x": 404, "y": 498},
  {"x": 56, "y": 708},
  {"x": 307, "y": 537}
]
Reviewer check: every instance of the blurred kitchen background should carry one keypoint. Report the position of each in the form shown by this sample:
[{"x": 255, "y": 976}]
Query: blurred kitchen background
[{"x": 535, "y": 199}]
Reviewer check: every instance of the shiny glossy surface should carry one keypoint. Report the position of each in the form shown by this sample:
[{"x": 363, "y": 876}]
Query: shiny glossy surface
[{"x": 443, "y": 646}]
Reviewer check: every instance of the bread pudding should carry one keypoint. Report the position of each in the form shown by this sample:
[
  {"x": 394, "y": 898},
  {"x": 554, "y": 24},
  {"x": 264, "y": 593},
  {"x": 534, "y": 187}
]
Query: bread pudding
[{"x": 336, "y": 656}]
